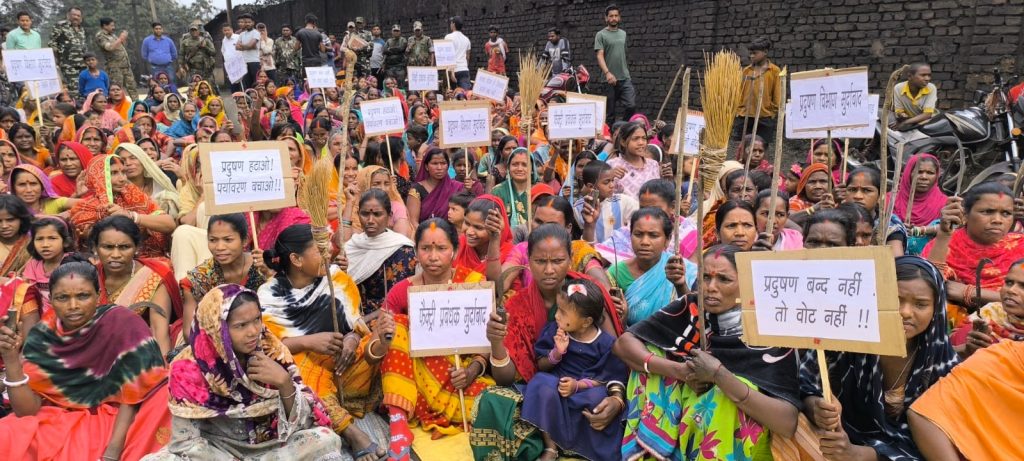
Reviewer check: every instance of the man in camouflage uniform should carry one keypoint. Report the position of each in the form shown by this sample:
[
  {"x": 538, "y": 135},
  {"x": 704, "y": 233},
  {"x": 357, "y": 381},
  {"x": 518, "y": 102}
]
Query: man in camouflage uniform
[
  {"x": 111, "y": 46},
  {"x": 197, "y": 54},
  {"x": 68, "y": 43},
  {"x": 420, "y": 51},
  {"x": 287, "y": 56},
  {"x": 363, "y": 61},
  {"x": 394, "y": 55}
]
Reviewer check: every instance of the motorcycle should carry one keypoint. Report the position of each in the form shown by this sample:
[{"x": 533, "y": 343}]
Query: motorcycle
[
  {"x": 556, "y": 87},
  {"x": 980, "y": 141}
]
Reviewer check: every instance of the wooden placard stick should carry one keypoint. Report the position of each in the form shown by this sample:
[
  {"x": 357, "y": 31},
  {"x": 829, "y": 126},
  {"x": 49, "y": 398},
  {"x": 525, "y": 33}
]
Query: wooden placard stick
[
  {"x": 753, "y": 132},
  {"x": 846, "y": 157},
  {"x": 252, "y": 226},
  {"x": 391, "y": 163},
  {"x": 671, "y": 88},
  {"x": 462, "y": 397},
  {"x": 779, "y": 136},
  {"x": 826, "y": 385},
  {"x": 701, "y": 311},
  {"x": 693, "y": 177},
  {"x": 680, "y": 164},
  {"x": 913, "y": 192},
  {"x": 884, "y": 138},
  {"x": 466, "y": 150},
  {"x": 887, "y": 205},
  {"x": 831, "y": 160}
]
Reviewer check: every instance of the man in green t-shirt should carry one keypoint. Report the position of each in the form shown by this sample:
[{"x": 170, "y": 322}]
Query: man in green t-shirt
[{"x": 610, "y": 44}]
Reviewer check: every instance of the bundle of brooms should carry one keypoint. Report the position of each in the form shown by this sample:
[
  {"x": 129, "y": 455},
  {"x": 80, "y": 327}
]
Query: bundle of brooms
[
  {"x": 719, "y": 97},
  {"x": 314, "y": 197},
  {"x": 532, "y": 76}
]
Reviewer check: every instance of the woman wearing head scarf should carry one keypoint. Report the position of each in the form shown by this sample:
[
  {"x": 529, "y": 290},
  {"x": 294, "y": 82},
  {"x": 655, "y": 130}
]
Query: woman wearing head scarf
[
  {"x": 819, "y": 154},
  {"x": 215, "y": 108},
  {"x": 145, "y": 126},
  {"x": 428, "y": 197},
  {"x": 377, "y": 177},
  {"x": 93, "y": 138},
  {"x": 202, "y": 94},
  {"x": 189, "y": 242},
  {"x": 143, "y": 172},
  {"x": 72, "y": 158},
  {"x": 812, "y": 193},
  {"x": 33, "y": 187},
  {"x": 185, "y": 125},
  {"x": 171, "y": 111},
  {"x": 513, "y": 191},
  {"x": 235, "y": 390},
  {"x": 26, "y": 141},
  {"x": 97, "y": 102},
  {"x": 919, "y": 192}
]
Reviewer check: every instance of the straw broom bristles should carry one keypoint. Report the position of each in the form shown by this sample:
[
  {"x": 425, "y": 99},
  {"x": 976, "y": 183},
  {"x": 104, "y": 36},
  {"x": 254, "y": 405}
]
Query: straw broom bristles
[
  {"x": 719, "y": 97},
  {"x": 315, "y": 193},
  {"x": 532, "y": 76}
]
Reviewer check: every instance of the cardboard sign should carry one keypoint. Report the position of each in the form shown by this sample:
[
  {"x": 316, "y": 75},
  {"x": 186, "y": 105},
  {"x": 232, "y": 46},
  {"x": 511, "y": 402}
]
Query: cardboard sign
[
  {"x": 490, "y": 85},
  {"x": 383, "y": 116},
  {"x": 465, "y": 123},
  {"x": 356, "y": 43},
  {"x": 571, "y": 121},
  {"x": 235, "y": 67},
  {"x": 838, "y": 299},
  {"x": 600, "y": 101},
  {"x": 27, "y": 65},
  {"x": 320, "y": 77},
  {"x": 444, "y": 53},
  {"x": 864, "y": 132},
  {"x": 43, "y": 88},
  {"x": 694, "y": 126},
  {"x": 450, "y": 319},
  {"x": 829, "y": 99},
  {"x": 252, "y": 176},
  {"x": 422, "y": 78}
]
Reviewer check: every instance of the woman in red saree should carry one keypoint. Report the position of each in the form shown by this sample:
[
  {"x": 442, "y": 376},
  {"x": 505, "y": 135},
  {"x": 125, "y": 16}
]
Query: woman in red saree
[
  {"x": 428, "y": 197},
  {"x": 72, "y": 158},
  {"x": 487, "y": 238},
  {"x": 93, "y": 139},
  {"x": 111, "y": 193},
  {"x": 983, "y": 217},
  {"x": 112, "y": 404},
  {"x": 425, "y": 390}
]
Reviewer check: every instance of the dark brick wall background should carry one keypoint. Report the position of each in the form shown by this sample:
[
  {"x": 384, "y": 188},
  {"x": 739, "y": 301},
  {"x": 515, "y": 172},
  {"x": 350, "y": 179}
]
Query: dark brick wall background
[{"x": 963, "y": 40}]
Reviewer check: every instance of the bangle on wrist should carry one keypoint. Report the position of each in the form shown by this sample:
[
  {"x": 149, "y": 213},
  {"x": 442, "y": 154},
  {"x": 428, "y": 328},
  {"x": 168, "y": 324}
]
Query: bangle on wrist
[
  {"x": 647, "y": 362},
  {"x": 13, "y": 384},
  {"x": 369, "y": 350},
  {"x": 500, "y": 363}
]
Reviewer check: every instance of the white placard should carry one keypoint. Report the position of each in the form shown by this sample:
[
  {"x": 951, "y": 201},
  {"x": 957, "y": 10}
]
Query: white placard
[
  {"x": 444, "y": 53},
  {"x": 571, "y": 121},
  {"x": 26, "y": 65},
  {"x": 320, "y": 77},
  {"x": 490, "y": 85},
  {"x": 235, "y": 67},
  {"x": 865, "y": 132},
  {"x": 383, "y": 116},
  {"x": 43, "y": 88},
  {"x": 829, "y": 99},
  {"x": 464, "y": 124},
  {"x": 600, "y": 101},
  {"x": 694, "y": 125},
  {"x": 449, "y": 319},
  {"x": 246, "y": 176},
  {"x": 826, "y": 299},
  {"x": 422, "y": 78}
]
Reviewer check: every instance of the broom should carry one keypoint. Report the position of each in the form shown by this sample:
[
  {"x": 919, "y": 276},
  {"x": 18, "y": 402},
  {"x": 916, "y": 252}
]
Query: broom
[
  {"x": 532, "y": 76},
  {"x": 314, "y": 197},
  {"x": 719, "y": 97}
]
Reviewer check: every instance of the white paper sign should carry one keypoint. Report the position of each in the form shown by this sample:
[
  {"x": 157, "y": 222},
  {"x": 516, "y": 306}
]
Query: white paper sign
[
  {"x": 320, "y": 77},
  {"x": 465, "y": 124},
  {"x": 43, "y": 88},
  {"x": 829, "y": 99},
  {"x": 383, "y": 116},
  {"x": 26, "y": 65},
  {"x": 827, "y": 299},
  {"x": 247, "y": 176},
  {"x": 694, "y": 125},
  {"x": 235, "y": 67},
  {"x": 490, "y": 85},
  {"x": 865, "y": 132},
  {"x": 444, "y": 53},
  {"x": 600, "y": 101},
  {"x": 571, "y": 121},
  {"x": 422, "y": 78},
  {"x": 446, "y": 322}
]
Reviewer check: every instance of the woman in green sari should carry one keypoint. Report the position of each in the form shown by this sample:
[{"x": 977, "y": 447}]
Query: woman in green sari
[{"x": 514, "y": 189}]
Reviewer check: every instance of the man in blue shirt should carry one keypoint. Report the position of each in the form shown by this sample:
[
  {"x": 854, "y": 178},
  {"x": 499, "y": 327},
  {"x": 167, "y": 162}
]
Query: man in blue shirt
[
  {"x": 92, "y": 78},
  {"x": 159, "y": 51}
]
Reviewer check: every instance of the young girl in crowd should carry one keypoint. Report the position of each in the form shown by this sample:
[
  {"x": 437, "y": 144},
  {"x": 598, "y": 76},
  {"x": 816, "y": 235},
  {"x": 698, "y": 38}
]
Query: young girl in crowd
[
  {"x": 51, "y": 246},
  {"x": 576, "y": 363}
]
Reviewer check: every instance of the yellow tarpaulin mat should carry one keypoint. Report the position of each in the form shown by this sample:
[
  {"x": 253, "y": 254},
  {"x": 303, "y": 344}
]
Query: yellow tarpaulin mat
[{"x": 447, "y": 448}]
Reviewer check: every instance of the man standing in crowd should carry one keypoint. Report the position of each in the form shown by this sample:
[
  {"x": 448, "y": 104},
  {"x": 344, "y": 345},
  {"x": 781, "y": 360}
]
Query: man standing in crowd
[
  {"x": 554, "y": 48},
  {"x": 760, "y": 72},
  {"x": 915, "y": 99},
  {"x": 266, "y": 48},
  {"x": 610, "y": 44},
  {"x": 496, "y": 50},
  {"x": 287, "y": 56},
  {"x": 24, "y": 38},
  {"x": 198, "y": 53},
  {"x": 68, "y": 43},
  {"x": 462, "y": 47},
  {"x": 248, "y": 45},
  {"x": 92, "y": 78},
  {"x": 159, "y": 51},
  {"x": 312, "y": 43},
  {"x": 364, "y": 53},
  {"x": 420, "y": 50},
  {"x": 115, "y": 56},
  {"x": 229, "y": 50},
  {"x": 377, "y": 54},
  {"x": 394, "y": 55}
]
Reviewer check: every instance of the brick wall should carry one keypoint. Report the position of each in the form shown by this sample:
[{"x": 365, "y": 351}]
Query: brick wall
[{"x": 964, "y": 40}]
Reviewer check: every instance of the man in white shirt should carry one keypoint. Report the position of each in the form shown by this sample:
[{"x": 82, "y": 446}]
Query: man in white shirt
[
  {"x": 462, "y": 47},
  {"x": 229, "y": 49},
  {"x": 248, "y": 45}
]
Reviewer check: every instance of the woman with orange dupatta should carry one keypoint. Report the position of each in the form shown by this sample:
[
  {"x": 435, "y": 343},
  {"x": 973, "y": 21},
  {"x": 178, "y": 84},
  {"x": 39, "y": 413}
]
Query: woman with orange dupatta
[
  {"x": 94, "y": 139},
  {"x": 812, "y": 193},
  {"x": 119, "y": 102},
  {"x": 111, "y": 193},
  {"x": 111, "y": 404},
  {"x": 498, "y": 431},
  {"x": 72, "y": 158},
  {"x": 425, "y": 390}
]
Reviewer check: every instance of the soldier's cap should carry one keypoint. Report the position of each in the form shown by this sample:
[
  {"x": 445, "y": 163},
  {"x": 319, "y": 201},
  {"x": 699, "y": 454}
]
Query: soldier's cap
[
  {"x": 351, "y": 24},
  {"x": 193, "y": 27},
  {"x": 417, "y": 25},
  {"x": 360, "y": 20},
  {"x": 396, "y": 27}
]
